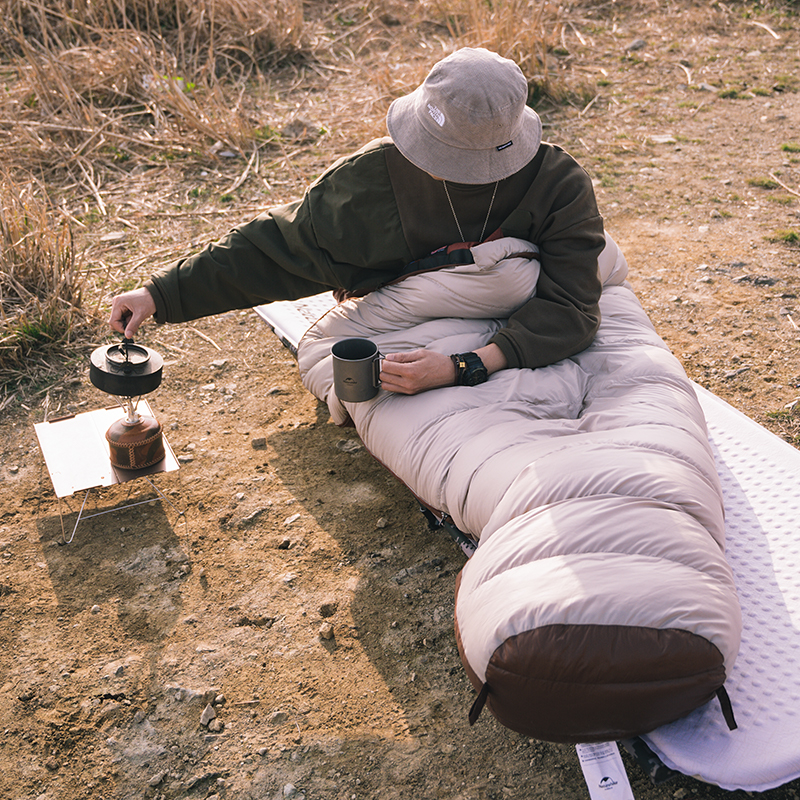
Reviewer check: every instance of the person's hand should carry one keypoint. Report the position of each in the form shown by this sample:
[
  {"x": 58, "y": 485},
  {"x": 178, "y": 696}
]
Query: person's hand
[
  {"x": 129, "y": 310},
  {"x": 416, "y": 371}
]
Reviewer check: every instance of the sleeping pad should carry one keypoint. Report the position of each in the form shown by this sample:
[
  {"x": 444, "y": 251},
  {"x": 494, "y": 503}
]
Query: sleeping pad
[{"x": 598, "y": 604}]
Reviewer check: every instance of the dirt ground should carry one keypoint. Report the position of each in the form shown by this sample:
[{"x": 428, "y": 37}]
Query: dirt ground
[{"x": 280, "y": 529}]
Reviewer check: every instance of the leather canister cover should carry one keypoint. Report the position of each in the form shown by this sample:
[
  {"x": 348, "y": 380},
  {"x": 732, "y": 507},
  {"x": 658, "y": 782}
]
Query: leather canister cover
[{"x": 135, "y": 446}]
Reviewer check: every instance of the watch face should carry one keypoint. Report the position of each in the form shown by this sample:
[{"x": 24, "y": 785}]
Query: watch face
[{"x": 475, "y": 376}]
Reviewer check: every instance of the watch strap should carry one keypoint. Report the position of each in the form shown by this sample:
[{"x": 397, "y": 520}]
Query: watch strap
[{"x": 470, "y": 369}]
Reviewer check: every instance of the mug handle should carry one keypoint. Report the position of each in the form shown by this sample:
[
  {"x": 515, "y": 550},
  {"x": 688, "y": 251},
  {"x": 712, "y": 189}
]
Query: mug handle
[{"x": 376, "y": 369}]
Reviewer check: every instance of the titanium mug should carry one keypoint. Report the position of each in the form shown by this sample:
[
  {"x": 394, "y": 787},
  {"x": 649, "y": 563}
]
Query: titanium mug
[{"x": 356, "y": 370}]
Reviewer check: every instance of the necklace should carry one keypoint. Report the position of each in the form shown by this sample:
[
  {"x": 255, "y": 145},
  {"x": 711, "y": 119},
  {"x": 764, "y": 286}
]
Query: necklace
[{"x": 455, "y": 216}]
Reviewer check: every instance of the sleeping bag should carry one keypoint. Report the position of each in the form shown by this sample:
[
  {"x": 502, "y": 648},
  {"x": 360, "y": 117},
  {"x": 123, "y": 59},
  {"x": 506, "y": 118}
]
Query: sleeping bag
[{"x": 598, "y": 604}]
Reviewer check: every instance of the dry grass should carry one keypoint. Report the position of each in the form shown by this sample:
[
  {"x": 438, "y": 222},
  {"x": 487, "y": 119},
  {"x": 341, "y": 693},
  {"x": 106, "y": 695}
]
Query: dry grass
[
  {"x": 107, "y": 81},
  {"x": 205, "y": 37},
  {"x": 40, "y": 287},
  {"x": 497, "y": 27}
]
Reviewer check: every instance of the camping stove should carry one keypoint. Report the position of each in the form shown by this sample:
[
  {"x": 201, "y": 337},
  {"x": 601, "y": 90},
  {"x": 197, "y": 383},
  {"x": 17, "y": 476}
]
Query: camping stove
[{"x": 127, "y": 371}]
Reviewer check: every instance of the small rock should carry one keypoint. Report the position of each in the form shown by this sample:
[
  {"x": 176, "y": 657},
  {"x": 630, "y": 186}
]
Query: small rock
[
  {"x": 262, "y": 751},
  {"x": 138, "y": 717},
  {"x": 290, "y": 790},
  {"x": 348, "y": 446},
  {"x": 239, "y": 496},
  {"x": 328, "y": 609},
  {"x": 52, "y": 764},
  {"x": 250, "y": 518},
  {"x": 273, "y": 390},
  {"x": 220, "y": 700},
  {"x": 257, "y": 621},
  {"x": 284, "y": 544},
  {"x": 636, "y": 44},
  {"x": 185, "y": 459},
  {"x": 259, "y": 443},
  {"x": 14, "y": 469},
  {"x": 290, "y": 520},
  {"x": 210, "y": 696},
  {"x": 209, "y": 387},
  {"x": 382, "y": 522},
  {"x": 735, "y": 372},
  {"x": 216, "y": 725},
  {"x": 326, "y": 631},
  {"x": 95, "y": 609},
  {"x": 157, "y": 778},
  {"x": 207, "y": 715},
  {"x": 278, "y": 718},
  {"x": 220, "y": 363}
]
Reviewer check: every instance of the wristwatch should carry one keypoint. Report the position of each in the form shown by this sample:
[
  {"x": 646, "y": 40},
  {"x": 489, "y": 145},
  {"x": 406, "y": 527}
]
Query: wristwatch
[{"x": 470, "y": 370}]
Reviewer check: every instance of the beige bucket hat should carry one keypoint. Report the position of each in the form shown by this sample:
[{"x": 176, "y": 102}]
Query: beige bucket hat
[{"x": 468, "y": 122}]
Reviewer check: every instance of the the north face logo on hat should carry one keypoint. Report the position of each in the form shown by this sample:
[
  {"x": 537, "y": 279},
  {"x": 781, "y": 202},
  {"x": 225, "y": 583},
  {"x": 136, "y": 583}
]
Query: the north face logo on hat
[{"x": 436, "y": 114}]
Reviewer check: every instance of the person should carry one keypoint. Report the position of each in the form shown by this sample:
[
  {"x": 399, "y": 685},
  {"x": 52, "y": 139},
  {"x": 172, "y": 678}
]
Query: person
[{"x": 464, "y": 162}]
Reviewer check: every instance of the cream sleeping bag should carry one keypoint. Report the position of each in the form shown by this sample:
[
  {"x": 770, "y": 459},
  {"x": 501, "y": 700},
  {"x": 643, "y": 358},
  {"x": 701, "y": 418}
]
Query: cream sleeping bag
[{"x": 598, "y": 604}]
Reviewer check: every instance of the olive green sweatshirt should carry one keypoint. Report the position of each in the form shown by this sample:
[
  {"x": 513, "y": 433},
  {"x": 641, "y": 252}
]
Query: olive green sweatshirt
[{"x": 372, "y": 213}]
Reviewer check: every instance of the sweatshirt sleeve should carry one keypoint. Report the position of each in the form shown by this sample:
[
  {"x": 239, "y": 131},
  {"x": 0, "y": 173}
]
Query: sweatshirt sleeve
[
  {"x": 560, "y": 215},
  {"x": 343, "y": 233}
]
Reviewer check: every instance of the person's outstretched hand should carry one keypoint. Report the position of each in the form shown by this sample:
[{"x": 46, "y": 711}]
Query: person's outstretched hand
[{"x": 129, "y": 310}]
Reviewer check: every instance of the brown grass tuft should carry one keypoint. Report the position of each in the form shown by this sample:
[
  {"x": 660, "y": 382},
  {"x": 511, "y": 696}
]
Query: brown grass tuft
[
  {"x": 205, "y": 37},
  {"x": 497, "y": 26},
  {"x": 41, "y": 291}
]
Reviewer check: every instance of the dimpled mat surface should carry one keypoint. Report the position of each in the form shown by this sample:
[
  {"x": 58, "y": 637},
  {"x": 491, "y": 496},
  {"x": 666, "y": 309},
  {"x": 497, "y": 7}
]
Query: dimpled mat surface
[
  {"x": 761, "y": 487},
  {"x": 290, "y": 319}
]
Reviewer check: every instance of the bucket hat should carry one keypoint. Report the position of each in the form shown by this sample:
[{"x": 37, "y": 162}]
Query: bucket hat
[{"x": 468, "y": 121}]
